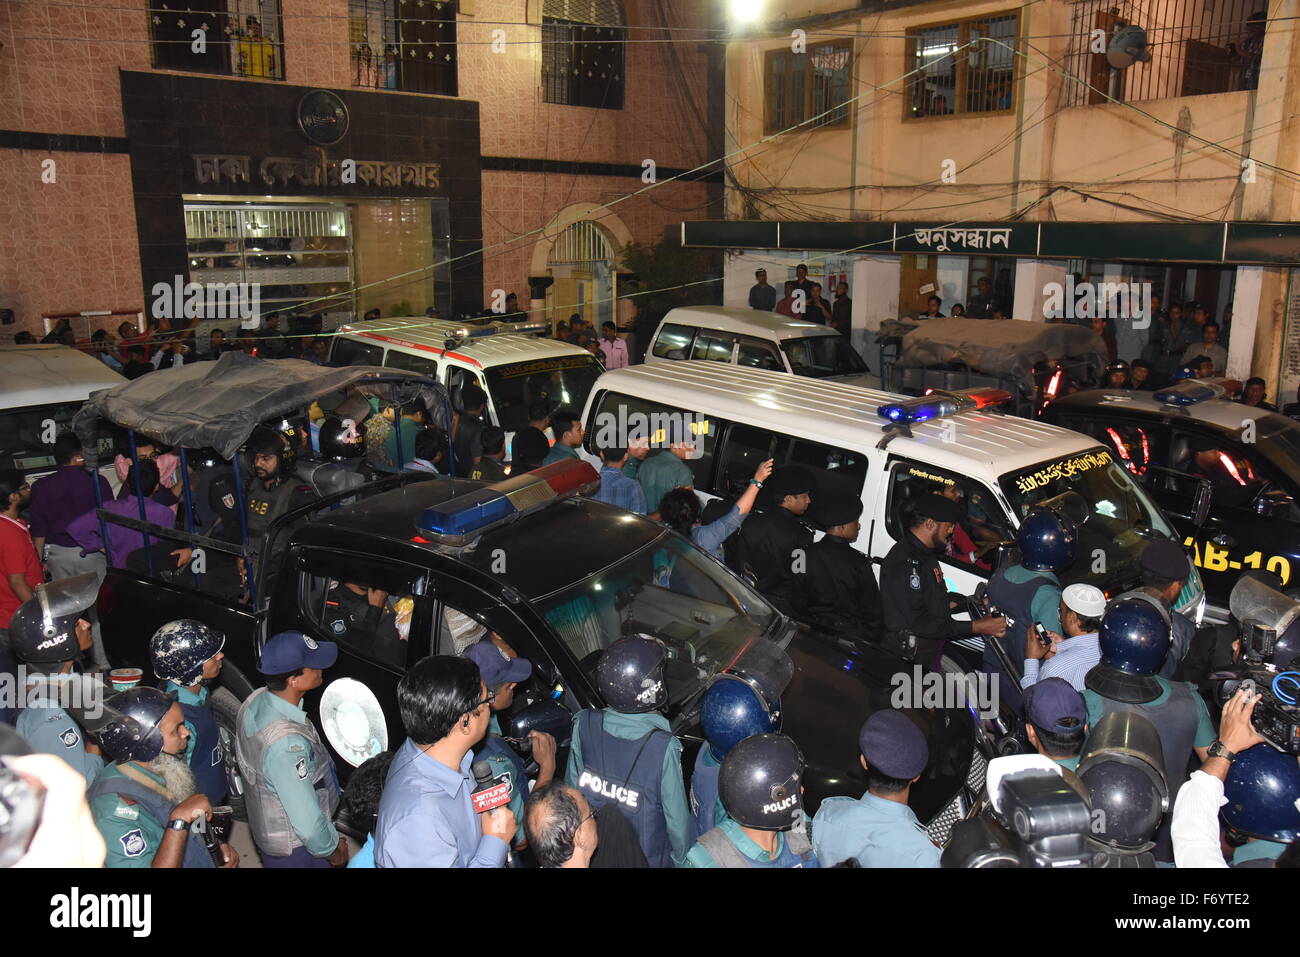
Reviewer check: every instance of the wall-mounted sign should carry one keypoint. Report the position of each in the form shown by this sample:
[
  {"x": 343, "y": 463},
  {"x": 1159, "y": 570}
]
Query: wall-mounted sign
[
  {"x": 313, "y": 168},
  {"x": 323, "y": 117}
]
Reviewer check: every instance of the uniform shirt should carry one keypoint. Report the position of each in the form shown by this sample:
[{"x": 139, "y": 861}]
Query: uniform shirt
[
  {"x": 559, "y": 453},
  {"x": 503, "y": 765},
  {"x": 468, "y": 444},
  {"x": 51, "y": 730},
  {"x": 17, "y": 557},
  {"x": 767, "y": 543},
  {"x": 349, "y": 615},
  {"x": 913, "y": 594},
  {"x": 1073, "y": 660},
  {"x": 289, "y": 783},
  {"x": 838, "y": 590},
  {"x": 1046, "y": 605},
  {"x": 659, "y": 475},
  {"x": 197, "y": 700},
  {"x": 615, "y": 353},
  {"x": 426, "y": 816},
  {"x": 672, "y": 789},
  {"x": 878, "y": 832},
  {"x": 59, "y": 498},
  {"x": 1257, "y": 850},
  {"x": 489, "y": 469},
  {"x": 698, "y": 856},
  {"x": 1216, "y": 353},
  {"x": 130, "y": 833},
  {"x": 619, "y": 490}
]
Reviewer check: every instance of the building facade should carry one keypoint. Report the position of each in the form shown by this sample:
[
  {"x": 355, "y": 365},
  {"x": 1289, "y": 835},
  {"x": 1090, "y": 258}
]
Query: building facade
[{"x": 345, "y": 155}]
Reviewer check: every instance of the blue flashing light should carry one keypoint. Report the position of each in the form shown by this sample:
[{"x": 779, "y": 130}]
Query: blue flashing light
[
  {"x": 466, "y": 514},
  {"x": 1189, "y": 392},
  {"x": 917, "y": 410}
]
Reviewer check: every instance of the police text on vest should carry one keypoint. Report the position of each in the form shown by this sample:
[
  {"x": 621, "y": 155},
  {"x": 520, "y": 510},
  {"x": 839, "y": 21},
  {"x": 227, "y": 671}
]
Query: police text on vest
[{"x": 615, "y": 792}]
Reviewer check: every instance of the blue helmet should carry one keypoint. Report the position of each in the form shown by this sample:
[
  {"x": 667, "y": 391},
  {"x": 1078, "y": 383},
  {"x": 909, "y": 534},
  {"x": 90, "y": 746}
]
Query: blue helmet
[
  {"x": 733, "y": 710},
  {"x": 1047, "y": 540},
  {"x": 630, "y": 675},
  {"x": 131, "y": 732},
  {"x": 179, "y": 649},
  {"x": 1134, "y": 640},
  {"x": 1261, "y": 791},
  {"x": 1183, "y": 373}
]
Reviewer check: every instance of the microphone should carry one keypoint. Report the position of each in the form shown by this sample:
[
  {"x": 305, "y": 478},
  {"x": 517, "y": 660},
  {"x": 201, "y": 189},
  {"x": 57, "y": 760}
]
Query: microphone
[{"x": 489, "y": 792}]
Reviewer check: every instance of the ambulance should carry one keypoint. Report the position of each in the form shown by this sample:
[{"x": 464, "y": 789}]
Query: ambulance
[{"x": 889, "y": 450}]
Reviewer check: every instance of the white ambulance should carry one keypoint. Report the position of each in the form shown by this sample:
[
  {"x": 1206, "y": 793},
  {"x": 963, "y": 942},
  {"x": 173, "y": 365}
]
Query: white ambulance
[
  {"x": 514, "y": 363},
  {"x": 889, "y": 449}
]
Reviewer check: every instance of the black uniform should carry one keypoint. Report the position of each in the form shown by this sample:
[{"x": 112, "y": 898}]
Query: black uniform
[
  {"x": 839, "y": 589},
  {"x": 768, "y": 542},
  {"x": 915, "y": 599},
  {"x": 468, "y": 444},
  {"x": 488, "y": 469},
  {"x": 349, "y": 615}
]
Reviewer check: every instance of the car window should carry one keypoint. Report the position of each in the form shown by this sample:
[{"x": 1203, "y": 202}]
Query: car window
[
  {"x": 457, "y": 378},
  {"x": 350, "y": 352},
  {"x": 758, "y": 355},
  {"x": 1241, "y": 472},
  {"x": 713, "y": 347},
  {"x": 558, "y": 381},
  {"x": 983, "y": 526},
  {"x": 1136, "y": 445},
  {"x": 27, "y": 435},
  {"x": 746, "y": 447},
  {"x": 365, "y": 605},
  {"x": 673, "y": 342},
  {"x": 838, "y": 471},
  {"x": 617, "y": 418},
  {"x": 420, "y": 365}
]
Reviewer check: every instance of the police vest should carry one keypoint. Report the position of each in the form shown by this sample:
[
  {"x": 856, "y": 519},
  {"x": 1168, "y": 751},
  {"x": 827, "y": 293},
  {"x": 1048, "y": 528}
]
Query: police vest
[
  {"x": 156, "y": 806},
  {"x": 1175, "y": 722},
  {"x": 1181, "y": 636},
  {"x": 272, "y": 830},
  {"x": 629, "y": 774},
  {"x": 704, "y": 795},
  {"x": 796, "y": 851},
  {"x": 206, "y": 760},
  {"x": 266, "y": 505},
  {"x": 1015, "y": 600}
]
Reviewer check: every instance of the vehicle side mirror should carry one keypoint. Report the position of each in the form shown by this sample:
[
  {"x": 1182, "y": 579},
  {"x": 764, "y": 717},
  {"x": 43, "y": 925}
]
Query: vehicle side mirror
[
  {"x": 1202, "y": 502},
  {"x": 1274, "y": 503}
]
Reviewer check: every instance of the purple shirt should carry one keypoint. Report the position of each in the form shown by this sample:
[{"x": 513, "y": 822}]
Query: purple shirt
[
  {"x": 61, "y": 497},
  {"x": 123, "y": 541}
]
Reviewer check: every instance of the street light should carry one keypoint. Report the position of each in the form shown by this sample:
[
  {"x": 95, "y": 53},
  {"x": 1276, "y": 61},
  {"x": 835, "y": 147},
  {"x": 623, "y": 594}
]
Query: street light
[{"x": 745, "y": 12}]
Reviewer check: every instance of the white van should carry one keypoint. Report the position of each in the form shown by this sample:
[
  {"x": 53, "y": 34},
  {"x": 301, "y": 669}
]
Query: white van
[
  {"x": 758, "y": 340},
  {"x": 509, "y": 361},
  {"x": 1000, "y": 464},
  {"x": 41, "y": 388}
]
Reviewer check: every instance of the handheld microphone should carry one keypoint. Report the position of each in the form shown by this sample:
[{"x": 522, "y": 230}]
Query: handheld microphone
[{"x": 489, "y": 792}]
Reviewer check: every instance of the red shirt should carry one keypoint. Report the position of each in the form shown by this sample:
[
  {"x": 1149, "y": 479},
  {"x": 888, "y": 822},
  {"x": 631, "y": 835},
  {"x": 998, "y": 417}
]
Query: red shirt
[{"x": 17, "y": 556}]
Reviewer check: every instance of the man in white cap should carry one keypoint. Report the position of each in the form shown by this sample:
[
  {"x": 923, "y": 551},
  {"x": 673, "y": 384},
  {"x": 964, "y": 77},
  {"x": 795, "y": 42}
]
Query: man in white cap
[{"x": 1072, "y": 655}]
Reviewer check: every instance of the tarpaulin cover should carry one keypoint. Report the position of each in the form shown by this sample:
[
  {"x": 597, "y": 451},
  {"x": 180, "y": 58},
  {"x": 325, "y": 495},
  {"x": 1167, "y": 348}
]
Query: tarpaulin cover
[
  {"x": 218, "y": 404},
  {"x": 1008, "y": 349}
]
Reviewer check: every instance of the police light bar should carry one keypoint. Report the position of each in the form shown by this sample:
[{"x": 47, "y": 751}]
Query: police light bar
[
  {"x": 936, "y": 404},
  {"x": 1192, "y": 391},
  {"x": 459, "y": 520},
  {"x": 496, "y": 328}
]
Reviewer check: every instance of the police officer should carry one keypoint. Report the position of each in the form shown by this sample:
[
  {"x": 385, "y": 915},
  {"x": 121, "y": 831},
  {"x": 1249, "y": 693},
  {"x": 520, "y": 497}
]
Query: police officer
[
  {"x": 292, "y": 789},
  {"x": 500, "y": 673},
  {"x": 731, "y": 710},
  {"x": 1261, "y": 816},
  {"x": 49, "y": 635},
  {"x": 626, "y": 752},
  {"x": 146, "y": 801},
  {"x": 1134, "y": 640},
  {"x": 879, "y": 829},
  {"x": 765, "y": 826},
  {"x": 1164, "y": 572},
  {"x": 1029, "y": 592},
  {"x": 274, "y": 490},
  {"x": 838, "y": 590},
  {"x": 1117, "y": 375},
  {"x": 913, "y": 595},
  {"x": 359, "y": 612},
  {"x": 186, "y": 654},
  {"x": 773, "y": 543}
]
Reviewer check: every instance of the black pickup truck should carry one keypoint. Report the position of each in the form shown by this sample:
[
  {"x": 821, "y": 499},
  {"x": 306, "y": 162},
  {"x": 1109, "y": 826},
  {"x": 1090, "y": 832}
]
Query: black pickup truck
[{"x": 556, "y": 576}]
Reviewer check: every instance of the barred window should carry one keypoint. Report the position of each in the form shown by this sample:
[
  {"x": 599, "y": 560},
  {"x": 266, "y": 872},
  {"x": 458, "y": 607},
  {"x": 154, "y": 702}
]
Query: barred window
[
  {"x": 808, "y": 88},
  {"x": 961, "y": 68},
  {"x": 403, "y": 45},
  {"x": 582, "y": 53},
  {"x": 238, "y": 37}
]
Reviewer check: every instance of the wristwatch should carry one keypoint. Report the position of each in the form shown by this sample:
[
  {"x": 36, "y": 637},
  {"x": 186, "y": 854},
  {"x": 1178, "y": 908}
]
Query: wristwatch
[
  {"x": 1219, "y": 750},
  {"x": 756, "y": 483},
  {"x": 179, "y": 824}
]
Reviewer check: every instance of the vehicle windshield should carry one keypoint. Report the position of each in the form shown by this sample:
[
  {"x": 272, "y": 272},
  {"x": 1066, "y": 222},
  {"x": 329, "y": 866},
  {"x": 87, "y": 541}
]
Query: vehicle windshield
[
  {"x": 27, "y": 435},
  {"x": 562, "y": 380},
  {"x": 821, "y": 356},
  {"x": 1121, "y": 518},
  {"x": 1280, "y": 444},
  {"x": 670, "y": 589}
]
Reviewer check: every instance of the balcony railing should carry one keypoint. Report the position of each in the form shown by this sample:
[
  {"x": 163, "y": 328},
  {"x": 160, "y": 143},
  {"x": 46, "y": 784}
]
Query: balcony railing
[{"x": 235, "y": 37}]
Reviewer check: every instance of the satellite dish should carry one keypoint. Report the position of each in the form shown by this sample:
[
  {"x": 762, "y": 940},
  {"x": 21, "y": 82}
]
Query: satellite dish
[{"x": 1128, "y": 46}]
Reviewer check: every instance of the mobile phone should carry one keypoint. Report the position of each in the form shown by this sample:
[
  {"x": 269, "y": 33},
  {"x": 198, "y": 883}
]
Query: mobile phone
[{"x": 1044, "y": 639}]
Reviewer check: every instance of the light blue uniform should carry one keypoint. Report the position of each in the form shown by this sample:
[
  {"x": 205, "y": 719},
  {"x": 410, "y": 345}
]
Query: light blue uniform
[
  {"x": 51, "y": 730},
  {"x": 878, "y": 832},
  {"x": 699, "y": 855}
]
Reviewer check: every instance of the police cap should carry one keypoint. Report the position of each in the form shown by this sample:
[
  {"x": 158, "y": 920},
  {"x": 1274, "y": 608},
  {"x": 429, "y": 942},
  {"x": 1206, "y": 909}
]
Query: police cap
[
  {"x": 838, "y": 508},
  {"x": 893, "y": 745},
  {"x": 1165, "y": 559},
  {"x": 938, "y": 508}
]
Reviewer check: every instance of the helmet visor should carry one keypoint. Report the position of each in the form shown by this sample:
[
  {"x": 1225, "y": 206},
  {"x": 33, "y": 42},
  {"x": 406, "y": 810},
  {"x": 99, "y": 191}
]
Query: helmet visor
[
  {"x": 66, "y": 597},
  {"x": 766, "y": 667}
]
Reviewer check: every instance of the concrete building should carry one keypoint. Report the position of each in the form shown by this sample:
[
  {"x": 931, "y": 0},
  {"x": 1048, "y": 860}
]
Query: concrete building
[
  {"x": 856, "y": 133},
  {"x": 345, "y": 154}
]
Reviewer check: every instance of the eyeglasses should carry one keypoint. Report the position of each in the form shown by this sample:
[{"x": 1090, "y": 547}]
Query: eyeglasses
[{"x": 491, "y": 696}]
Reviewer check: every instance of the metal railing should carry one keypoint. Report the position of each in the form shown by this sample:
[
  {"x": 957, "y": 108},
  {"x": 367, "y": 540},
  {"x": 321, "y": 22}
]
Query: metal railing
[{"x": 236, "y": 37}]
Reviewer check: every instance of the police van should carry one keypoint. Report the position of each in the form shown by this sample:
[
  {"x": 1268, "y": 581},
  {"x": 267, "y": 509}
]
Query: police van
[
  {"x": 1241, "y": 513},
  {"x": 888, "y": 450},
  {"x": 511, "y": 362},
  {"x": 757, "y": 340},
  {"x": 43, "y": 388}
]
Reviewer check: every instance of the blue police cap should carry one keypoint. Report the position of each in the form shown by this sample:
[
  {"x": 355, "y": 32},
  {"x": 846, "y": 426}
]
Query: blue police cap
[
  {"x": 893, "y": 745},
  {"x": 1051, "y": 702},
  {"x": 290, "y": 650},
  {"x": 494, "y": 667}
]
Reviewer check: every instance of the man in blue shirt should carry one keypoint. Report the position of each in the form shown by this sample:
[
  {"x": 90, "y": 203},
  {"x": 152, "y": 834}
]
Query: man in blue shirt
[
  {"x": 1072, "y": 655},
  {"x": 617, "y": 488},
  {"x": 426, "y": 816},
  {"x": 879, "y": 829},
  {"x": 567, "y": 427},
  {"x": 762, "y": 296}
]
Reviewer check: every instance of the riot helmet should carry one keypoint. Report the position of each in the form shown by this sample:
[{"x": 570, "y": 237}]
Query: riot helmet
[
  {"x": 1261, "y": 790},
  {"x": 132, "y": 731},
  {"x": 281, "y": 441},
  {"x": 205, "y": 458},
  {"x": 179, "y": 649},
  {"x": 1047, "y": 540},
  {"x": 1134, "y": 640},
  {"x": 759, "y": 783},
  {"x": 732, "y": 710},
  {"x": 1122, "y": 766},
  {"x": 43, "y": 631},
  {"x": 342, "y": 439},
  {"x": 630, "y": 675},
  {"x": 1183, "y": 373}
]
